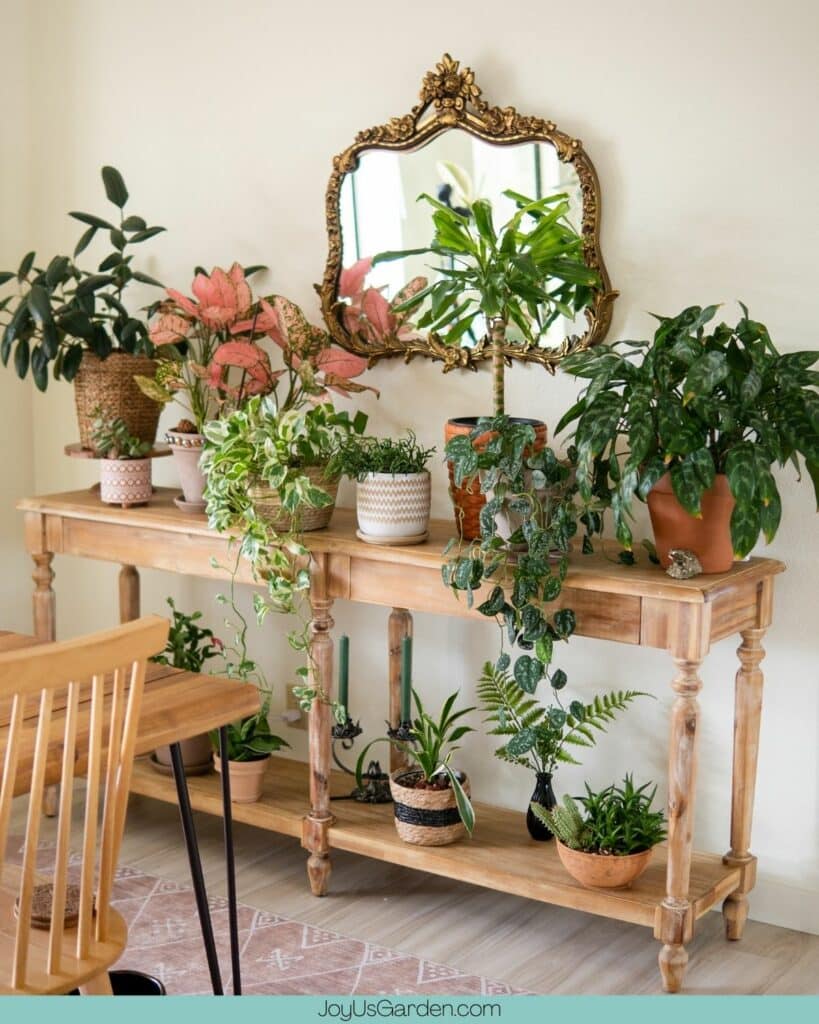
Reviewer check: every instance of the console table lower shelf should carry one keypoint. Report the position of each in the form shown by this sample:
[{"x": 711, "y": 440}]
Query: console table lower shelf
[{"x": 499, "y": 856}]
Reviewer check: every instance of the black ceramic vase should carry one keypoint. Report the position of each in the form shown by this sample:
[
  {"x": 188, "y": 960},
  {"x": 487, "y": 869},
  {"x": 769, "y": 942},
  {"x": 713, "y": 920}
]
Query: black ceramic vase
[{"x": 543, "y": 795}]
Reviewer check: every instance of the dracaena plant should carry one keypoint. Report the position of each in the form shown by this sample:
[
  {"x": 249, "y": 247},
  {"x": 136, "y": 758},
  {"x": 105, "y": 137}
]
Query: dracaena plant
[
  {"x": 696, "y": 401},
  {"x": 431, "y": 746},
  {"x": 61, "y": 310},
  {"x": 503, "y": 283}
]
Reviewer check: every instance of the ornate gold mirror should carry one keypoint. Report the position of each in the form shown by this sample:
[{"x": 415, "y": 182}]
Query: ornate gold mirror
[{"x": 455, "y": 147}]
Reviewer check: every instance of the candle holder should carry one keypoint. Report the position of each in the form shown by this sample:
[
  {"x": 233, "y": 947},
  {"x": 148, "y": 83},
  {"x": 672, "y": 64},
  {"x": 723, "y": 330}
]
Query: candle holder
[
  {"x": 402, "y": 731},
  {"x": 376, "y": 788}
]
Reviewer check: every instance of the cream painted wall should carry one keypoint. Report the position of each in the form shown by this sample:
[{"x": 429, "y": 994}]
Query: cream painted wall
[{"x": 699, "y": 118}]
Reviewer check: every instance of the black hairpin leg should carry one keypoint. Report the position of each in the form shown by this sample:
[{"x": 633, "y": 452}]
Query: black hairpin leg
[
  {"x": 227, "y": 818},
  {"x": 197, "y": 877}
]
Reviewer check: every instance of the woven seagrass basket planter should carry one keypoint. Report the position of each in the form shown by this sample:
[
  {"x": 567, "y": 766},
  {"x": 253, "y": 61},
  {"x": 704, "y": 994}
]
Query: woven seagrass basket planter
[
  {"x": 109, "y": 385},
  {"x": 268, "y": 505},
  {"x": 425, "y": 817}
]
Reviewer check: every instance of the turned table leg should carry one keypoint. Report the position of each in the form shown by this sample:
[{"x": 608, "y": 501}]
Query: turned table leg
[
  {"x": 129, "y": 600},
  {"x": 747, "y": 712},
  {"x": 44, "y": 608},
  {"x": 317, "y": 824},
  {"x": 675, "y": 920},
  {"x": 400, "y": 625}
]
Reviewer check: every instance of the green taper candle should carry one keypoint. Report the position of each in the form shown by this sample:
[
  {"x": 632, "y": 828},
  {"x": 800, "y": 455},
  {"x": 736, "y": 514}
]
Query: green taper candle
[
  {"x": 406, "y": 678},
  {"x": 343, "y": 670}
]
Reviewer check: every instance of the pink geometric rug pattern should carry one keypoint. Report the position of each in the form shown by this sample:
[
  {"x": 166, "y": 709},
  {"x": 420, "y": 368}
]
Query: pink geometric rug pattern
[{"x": 279, "y": 956}]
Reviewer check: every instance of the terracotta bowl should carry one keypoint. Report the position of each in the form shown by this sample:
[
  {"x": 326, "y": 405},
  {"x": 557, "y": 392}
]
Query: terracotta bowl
[{"x": 603, "y": 871}]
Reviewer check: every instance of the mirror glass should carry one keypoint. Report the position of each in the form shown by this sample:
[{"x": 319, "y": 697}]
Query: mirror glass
[{"x": 379, "y": 209}]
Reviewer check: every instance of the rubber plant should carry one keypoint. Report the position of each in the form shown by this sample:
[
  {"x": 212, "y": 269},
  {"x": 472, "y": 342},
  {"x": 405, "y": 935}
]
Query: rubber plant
[
  {"x": 515, "y": 278},
  {"x": 695, "y": 401},
  {"x": 61, "y": 310}
]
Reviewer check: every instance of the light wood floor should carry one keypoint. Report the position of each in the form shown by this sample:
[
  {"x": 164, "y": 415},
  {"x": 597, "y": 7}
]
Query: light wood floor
[{"x": 530, "y": 945}]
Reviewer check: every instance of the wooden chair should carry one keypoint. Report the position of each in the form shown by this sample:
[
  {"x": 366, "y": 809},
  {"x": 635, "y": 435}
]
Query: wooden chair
[{"x": 70, "y": 727}]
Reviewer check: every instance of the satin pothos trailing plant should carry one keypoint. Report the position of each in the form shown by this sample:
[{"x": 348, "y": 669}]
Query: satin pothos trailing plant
[
  {"x": 696, "y": 401},
  {"x": 526, "y": 528}
]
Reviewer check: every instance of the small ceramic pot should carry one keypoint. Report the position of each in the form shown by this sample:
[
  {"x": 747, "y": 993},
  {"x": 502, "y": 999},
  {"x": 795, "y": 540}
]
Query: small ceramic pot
[
  {"x": 708, "y": 537},
  {"x": 603, "y": 871},
  {"x": 186, "y": 449},
  {"x": 425, "y": 817},
  {"x": 246, "y": 778},
  {"x": 393, "y": 505},
  {"x": 125, "y": 482}
]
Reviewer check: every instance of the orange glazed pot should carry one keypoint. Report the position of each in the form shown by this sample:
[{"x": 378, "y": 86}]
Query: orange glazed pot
[
  {"x": 603, "y": 870},
  {"x": 708, "y": 537},
  {"x": 468, "y": 500}
]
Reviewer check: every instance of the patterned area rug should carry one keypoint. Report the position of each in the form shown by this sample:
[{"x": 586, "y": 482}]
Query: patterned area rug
[{"x": 279, "y": 956}]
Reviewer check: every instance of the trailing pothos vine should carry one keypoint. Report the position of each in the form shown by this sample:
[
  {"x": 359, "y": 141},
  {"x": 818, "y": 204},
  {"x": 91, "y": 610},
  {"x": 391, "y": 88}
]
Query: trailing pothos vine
[{"x": 260, "y": 444}]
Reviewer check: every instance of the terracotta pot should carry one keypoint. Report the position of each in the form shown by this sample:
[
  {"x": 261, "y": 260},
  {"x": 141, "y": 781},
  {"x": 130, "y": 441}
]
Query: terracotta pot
[
  {"x": 196, "y": 752},
  {"x": 468, "y": 500},
  {"x": 246, "y": 778},
  {"x": 709, "y": 537},
  {"x": 186, "y": 449},
  {"x": 125, "y": 482},
  {"x": 393, "y": 505},
  {"x": 603, "y": 871},
  {"x": 425, "y": 817},
  {"x": 109, "y": 384}
]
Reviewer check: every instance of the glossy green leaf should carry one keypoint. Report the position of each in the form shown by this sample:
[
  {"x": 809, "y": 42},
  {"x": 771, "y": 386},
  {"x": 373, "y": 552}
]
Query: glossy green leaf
[
  {"x": 114, "y": 186},
  {"x": 528, "y": 672}
]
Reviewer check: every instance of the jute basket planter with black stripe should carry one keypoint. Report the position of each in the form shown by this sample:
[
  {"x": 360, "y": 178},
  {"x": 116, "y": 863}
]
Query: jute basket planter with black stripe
[{"x": 425, "y": 817}]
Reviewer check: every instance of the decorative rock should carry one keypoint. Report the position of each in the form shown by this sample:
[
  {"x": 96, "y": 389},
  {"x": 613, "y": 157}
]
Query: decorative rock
[{"x": 684, "y": 564}]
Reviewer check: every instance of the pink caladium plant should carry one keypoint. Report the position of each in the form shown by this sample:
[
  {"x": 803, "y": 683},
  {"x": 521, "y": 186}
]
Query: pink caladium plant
[{"x": 367, "y": 313}]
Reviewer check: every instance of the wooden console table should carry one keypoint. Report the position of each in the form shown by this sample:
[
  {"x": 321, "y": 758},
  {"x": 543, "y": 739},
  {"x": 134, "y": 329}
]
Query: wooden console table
[{"x": 631, "y": 605}]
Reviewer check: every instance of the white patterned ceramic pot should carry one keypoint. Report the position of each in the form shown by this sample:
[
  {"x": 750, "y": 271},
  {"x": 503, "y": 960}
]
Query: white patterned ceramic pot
[
  {"x": 393, "y": 505},
  {"x": 125, "y": 481}
]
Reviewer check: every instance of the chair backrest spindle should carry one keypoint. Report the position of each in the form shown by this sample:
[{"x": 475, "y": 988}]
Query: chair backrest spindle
[{"x": 47, "y": 747}]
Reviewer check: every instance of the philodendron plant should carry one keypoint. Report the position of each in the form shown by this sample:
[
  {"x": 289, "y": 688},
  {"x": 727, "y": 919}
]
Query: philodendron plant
[
  {"x": 696, "y": 401},
  {"x": 515, "y": 278}
]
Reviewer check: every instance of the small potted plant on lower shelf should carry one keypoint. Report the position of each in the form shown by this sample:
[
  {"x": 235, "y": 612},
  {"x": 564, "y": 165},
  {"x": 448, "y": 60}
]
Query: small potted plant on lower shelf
[
  {"x": 189, "y": 647},
  {"x": 250, "y": 743},
  {"x": 541, "y": 737},
  {"x": 125, "y": 466},
  {"x": 392, "y": 486},
  {"x": 612, "y": 843},
  {"x": 431, "y": 800}
]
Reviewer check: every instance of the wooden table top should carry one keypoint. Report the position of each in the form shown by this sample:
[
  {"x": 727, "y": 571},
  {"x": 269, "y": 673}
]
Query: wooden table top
[
  {"x": 600, "y": 571},
  {"x": 176, "y": 705}
]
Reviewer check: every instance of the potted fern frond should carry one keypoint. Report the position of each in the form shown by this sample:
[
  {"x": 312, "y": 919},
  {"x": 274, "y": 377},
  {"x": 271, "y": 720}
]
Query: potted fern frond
[
  {"x": 538, "y": 736},
  {"x": 611, "y": 844}
]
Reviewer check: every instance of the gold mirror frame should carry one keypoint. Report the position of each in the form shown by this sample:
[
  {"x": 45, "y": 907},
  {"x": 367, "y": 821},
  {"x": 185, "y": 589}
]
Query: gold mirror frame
[{"x": 457, "y": 103}]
